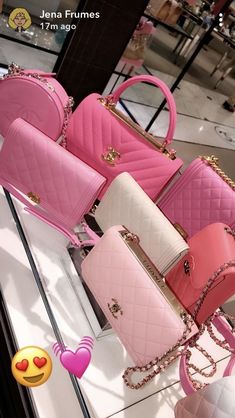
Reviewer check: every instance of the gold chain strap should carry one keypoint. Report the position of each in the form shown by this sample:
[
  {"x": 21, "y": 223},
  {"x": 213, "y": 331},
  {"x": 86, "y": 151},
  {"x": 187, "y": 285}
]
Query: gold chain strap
[
  {"x": 15, "y": 70},
  {"x": 166, "y": 359},
  {"x": 212, "y": 161},
  {"x": 208, "y": 325},
  {"x": 67, "y": 114}
]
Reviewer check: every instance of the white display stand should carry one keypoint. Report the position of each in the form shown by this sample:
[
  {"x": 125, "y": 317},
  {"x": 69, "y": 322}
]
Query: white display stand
[{"x": 102, "y": 384}]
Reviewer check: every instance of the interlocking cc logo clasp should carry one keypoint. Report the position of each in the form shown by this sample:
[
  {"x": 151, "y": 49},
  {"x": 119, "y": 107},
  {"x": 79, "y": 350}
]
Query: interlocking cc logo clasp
[
  {"x": 115, "y": 308},
  {"x": 34, "y": 197},
  {"x": 110, "y": 156}
]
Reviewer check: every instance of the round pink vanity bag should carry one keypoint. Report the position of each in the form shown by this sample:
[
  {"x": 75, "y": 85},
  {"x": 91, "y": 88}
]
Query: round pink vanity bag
[{"x": 38, "y": 98}]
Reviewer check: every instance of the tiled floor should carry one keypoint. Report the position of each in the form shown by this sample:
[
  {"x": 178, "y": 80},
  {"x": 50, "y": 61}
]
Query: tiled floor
[{"x": 201, "y": 120}]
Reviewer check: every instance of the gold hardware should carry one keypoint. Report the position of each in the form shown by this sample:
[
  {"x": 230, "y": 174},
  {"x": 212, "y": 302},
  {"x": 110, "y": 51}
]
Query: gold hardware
[
  {"x": 52, "y": 88},
  {"x": 110, "y": 156},
  {"x": 115, "y": 308},
  {"x": 108, "y": 104},
  {"x": 230, "y": 231},
  {"x": 213, "y": 162},
  {"x": 152, "y": 272},
  {"x": 34, "y": 197},
  {"x": 181, "y": 231},
  {"x": 187, "y": 267}
]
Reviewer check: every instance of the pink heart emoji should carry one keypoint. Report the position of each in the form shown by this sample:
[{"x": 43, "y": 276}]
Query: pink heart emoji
[{"x": 76, "y": 363}]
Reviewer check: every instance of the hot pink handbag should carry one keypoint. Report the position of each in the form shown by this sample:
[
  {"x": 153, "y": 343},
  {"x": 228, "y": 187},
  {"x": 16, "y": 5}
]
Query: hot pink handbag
[
  {"x": 111, "y": 143},
  {"x": 208, "y": 250},
  {"x": 145, "y": 314},
  {"x": 36, "y": 97},
  {"x": 62, "y": 187},
  {"x": 201, "y": 196}
]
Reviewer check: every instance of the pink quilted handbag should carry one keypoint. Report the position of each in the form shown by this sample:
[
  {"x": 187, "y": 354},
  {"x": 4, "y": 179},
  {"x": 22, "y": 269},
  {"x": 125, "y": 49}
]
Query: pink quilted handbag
[
  {"x": 36, "y": 97},
  {"x": 62, "y": 187},
  {"x": 111, "y": 143},
  {"x": 214, "y": 401},
  {"x": 143, "y": 311},
  {"x": 202, "y": 195},
  {"x": 208, "y": 250}
]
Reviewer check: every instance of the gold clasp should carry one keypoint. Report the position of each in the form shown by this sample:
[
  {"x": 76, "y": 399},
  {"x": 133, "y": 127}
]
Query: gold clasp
[
  {"x": 34, "y": 197},
  {"x": 187, "y": 267},
  {"x": 181, "y": 231},
  {"x": 115, "y": 308},
  {"x": 110, "y": 156}
]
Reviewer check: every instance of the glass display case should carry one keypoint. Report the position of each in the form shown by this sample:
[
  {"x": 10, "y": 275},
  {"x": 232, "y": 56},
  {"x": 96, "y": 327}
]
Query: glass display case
[{"x": 46, "y": 296}]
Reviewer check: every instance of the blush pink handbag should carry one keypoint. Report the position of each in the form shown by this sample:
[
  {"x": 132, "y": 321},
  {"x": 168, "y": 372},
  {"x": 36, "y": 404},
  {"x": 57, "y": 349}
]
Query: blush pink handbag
[
  {"x": 208, "y": 250},
  {"x": 216, "y": 400},
  {"x": 62, "y": 187},
  {"x": 148, "y": 318},
  {"x": 201, "y": 196},
  {"x": 111, "y": 143},
  {"x": 36, "y": 97}
]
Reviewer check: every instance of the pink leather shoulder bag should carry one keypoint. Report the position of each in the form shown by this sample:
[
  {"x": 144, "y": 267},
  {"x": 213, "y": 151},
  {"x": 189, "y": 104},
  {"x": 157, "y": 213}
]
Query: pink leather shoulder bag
[
  {"x": 201, "y": 196},
  {"x": 38, "y": 98},
  {"x": 62, "y": 187},
  {"x": 208, "y": 250},
  {"x": 111, "y": 143}
]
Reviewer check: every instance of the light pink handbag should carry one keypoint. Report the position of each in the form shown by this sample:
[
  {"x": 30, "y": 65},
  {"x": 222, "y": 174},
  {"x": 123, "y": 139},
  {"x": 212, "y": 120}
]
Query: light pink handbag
[
  {"x": 216, "y": 400},
  {"x": 36, "y": 97},
  {"x": 145, "y": 314},
  {"x": 201, "y": 196},
  {"x": 62, "y": 187},
  {"x": 209, "y": 249},
  {"x": 111, "y": 143}
]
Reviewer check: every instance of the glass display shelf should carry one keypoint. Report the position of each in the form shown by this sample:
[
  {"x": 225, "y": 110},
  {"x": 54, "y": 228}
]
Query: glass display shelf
[{"x": 101, "y": 392}]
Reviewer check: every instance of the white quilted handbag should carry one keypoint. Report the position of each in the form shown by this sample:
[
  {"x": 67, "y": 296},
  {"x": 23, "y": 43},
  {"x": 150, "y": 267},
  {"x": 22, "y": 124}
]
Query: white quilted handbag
[
  {"x": 216, "y": 400},
  {"x": 125, "y": 203}
]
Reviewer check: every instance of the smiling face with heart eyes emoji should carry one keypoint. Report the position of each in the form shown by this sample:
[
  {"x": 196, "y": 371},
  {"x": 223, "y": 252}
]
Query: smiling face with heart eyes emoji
[{"x": 31, "y": 366}]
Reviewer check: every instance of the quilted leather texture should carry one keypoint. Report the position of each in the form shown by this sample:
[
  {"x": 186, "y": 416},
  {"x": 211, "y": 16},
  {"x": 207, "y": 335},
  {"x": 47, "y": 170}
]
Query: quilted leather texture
[
  {"x": 199, "y": 198},
  {"x": 92, "y": 129},
  {"x": 148, "y": 326},
  {"x": 217, "y": 400},
  {"x": 125, "y": 203},
  {"x": 29, "y": 161},
  {"x": 31, "y": 100},
  {"x": 202, "y": 263}
]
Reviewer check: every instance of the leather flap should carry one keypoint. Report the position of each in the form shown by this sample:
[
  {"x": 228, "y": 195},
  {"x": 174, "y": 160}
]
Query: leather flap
[{"x": 209, "y": 249}]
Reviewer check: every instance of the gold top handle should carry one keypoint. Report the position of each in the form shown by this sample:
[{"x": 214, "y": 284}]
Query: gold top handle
[
  {"x": 213, "y": 161},
  {"x": 108, "y": 103}
]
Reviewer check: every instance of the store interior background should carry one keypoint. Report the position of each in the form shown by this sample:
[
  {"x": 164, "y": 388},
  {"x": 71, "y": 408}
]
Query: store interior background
[{"x": 204, "y": 127}]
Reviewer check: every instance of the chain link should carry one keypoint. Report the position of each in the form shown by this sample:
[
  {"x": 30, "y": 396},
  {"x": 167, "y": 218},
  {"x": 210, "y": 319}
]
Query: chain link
[
  {"x": 15, "y": 70},
  {"x": 208, "y": 326},
  {"x": 212, "y": 161},
  {"x": 166, "y": 359}
]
